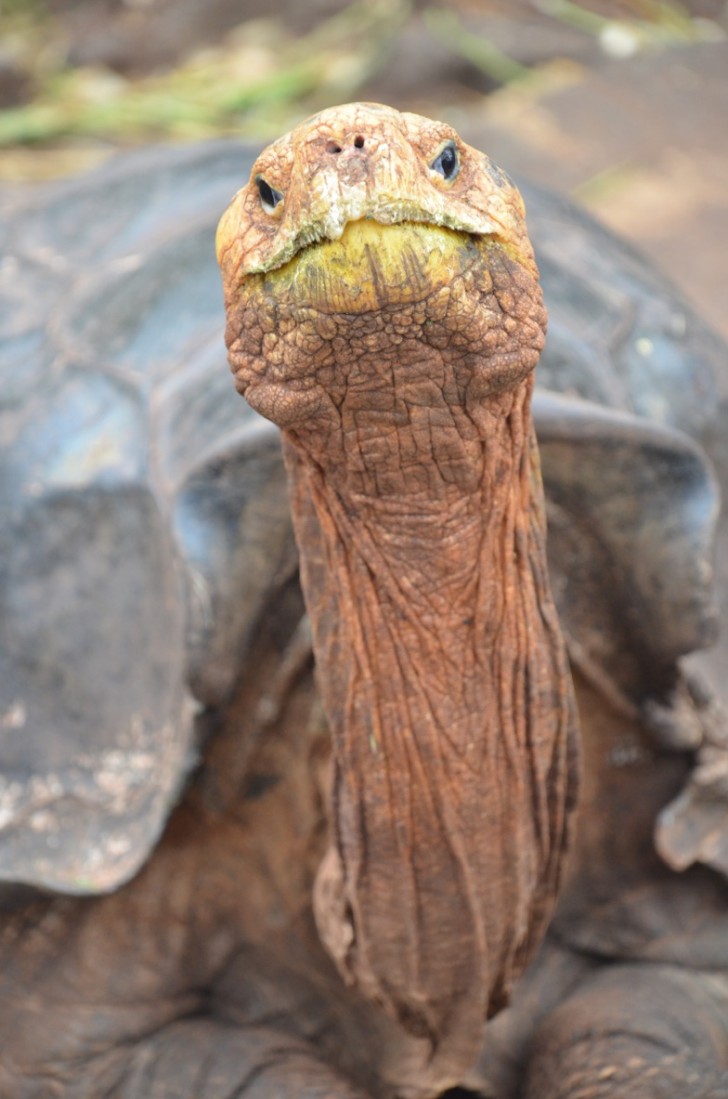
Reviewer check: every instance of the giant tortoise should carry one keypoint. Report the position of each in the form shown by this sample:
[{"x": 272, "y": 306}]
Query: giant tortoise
[{"x": 227, "y": 872}]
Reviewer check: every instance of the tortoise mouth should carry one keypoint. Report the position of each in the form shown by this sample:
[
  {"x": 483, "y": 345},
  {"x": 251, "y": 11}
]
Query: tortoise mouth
[
  {"x": 327, "y": 222},
  {"x": 339, "y": 219},
  {"x": 375, "y": 265}
]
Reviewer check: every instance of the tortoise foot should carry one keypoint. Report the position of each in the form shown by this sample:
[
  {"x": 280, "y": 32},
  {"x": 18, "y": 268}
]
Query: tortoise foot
[{"x": 637, "y": 1031}]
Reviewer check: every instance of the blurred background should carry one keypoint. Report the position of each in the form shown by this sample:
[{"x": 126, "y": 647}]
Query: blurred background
[{"x": 623, "y": 104}]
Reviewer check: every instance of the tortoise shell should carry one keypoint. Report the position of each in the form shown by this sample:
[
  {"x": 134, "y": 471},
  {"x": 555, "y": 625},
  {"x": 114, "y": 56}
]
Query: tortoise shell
[{"x": 145, "y": 522}]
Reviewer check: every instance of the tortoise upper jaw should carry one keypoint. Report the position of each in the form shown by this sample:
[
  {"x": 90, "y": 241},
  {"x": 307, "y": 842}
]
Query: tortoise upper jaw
[
  {"x": 344, "y": 210},
  {"x": 357, "y": 163}
]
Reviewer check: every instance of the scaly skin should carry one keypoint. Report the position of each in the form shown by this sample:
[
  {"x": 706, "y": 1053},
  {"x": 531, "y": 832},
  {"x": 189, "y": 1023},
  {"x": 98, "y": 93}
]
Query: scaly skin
[{"x": 389, "y": 320}]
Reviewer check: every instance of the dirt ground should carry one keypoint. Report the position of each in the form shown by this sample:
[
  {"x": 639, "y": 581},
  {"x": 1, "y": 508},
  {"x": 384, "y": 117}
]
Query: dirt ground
[
  {"x": 619, "y": 103},
  {"x": 643, "y": 143}
]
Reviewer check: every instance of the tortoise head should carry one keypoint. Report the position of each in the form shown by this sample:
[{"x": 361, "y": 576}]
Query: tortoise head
[
  {"x": 363, "y": 211},
  {"x": 356, "y": 162}
]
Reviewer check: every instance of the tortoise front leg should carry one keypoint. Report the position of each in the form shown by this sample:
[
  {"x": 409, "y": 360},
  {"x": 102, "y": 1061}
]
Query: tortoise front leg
[
  {"x": 640, "y": 1031},
  {"x": 206, "y": 1059},
  {"x": 189, "y": 1059},
  {"x": 87, "y": 1013}
]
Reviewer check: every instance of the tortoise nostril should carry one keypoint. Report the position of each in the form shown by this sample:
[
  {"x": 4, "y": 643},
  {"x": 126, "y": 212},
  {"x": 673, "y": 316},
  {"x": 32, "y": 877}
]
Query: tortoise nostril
[{"x": 334, "y": 147}]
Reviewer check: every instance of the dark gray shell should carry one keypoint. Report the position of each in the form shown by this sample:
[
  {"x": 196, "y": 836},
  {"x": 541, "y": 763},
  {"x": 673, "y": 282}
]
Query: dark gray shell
[{"x": 144, "y": 519}]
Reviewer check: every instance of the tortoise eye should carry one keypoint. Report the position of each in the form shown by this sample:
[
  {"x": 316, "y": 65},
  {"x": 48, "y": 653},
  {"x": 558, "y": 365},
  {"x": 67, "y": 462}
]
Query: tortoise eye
[
  {"x": 269, "y": 197},
  {"x": 447, "y": 161}
]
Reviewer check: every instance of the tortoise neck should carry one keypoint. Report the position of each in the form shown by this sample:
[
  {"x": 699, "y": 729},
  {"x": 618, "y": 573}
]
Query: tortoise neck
[
  {"x": 440, "y": 556},
  {"x": 445, "y": 685},
  {"x": 399, "y": 436}
]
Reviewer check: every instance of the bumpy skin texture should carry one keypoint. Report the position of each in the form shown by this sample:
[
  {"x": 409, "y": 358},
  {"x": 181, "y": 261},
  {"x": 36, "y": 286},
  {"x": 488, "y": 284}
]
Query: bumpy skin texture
[{"x": 389, "y": 319}]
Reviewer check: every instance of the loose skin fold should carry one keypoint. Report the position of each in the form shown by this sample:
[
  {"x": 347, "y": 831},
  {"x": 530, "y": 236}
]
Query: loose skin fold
[{"x": 398, "y": 360}]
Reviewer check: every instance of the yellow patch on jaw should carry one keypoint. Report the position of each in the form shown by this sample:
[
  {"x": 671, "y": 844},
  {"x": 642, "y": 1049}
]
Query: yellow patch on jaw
[{"x": 372, "y": 266}]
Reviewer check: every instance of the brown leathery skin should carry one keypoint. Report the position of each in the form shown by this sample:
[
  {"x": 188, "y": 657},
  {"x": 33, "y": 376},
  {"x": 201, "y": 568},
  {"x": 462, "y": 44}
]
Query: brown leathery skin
[{"x": 389, "y": 321}]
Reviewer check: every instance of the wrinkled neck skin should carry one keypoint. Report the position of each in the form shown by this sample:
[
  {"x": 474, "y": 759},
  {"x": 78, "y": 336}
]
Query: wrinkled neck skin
[
  {"x": 442, "y": 675},
  {"x": 417, "y": 504}
]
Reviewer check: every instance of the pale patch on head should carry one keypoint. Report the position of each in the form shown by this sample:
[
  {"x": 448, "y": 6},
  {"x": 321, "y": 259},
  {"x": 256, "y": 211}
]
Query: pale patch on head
[{"x": 339, "y": 208}]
